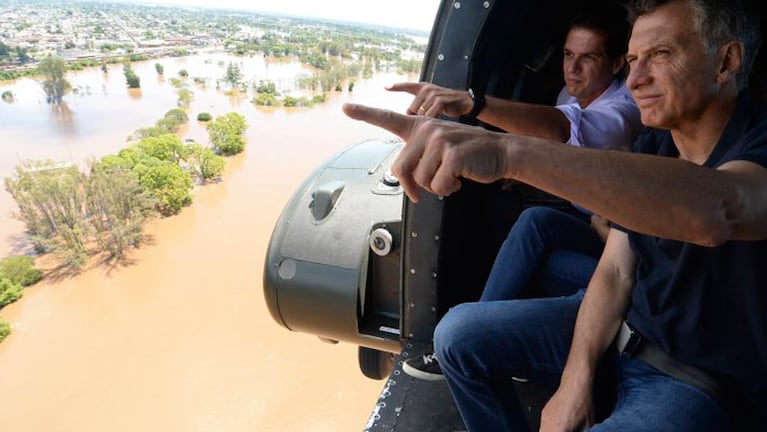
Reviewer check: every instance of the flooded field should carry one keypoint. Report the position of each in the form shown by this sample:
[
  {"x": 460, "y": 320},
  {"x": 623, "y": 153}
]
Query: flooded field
[{"x": 178, "y": 338}]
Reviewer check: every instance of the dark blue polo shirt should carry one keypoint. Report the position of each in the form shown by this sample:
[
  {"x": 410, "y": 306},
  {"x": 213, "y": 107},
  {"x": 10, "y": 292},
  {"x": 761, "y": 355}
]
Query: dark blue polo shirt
[{"x": 707, "y": 306}]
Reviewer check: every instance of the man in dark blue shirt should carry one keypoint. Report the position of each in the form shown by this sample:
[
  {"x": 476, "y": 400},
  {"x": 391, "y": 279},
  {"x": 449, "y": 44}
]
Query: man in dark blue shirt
[{"x": 681, "y": 288}]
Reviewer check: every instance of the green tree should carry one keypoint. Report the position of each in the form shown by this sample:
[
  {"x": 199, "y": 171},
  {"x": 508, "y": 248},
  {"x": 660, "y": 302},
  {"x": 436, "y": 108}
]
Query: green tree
[
  {"x": 23, "y": 55},
  {"x": 169, "y": 183},
  {"x": 50, "y": 198},
  {"x": 172, "y": 120},
  {"x": 183, "y": 73},
  {"x": 225, "y": 133},
  {"x": 55, "y": 84},
  {"x": 266, "y": 87},
  {"x": 9, "y": 292},
  {"x": 204, "y": 163},
  {"x": 185, "y": 97},
  {"x": 233, "y": 74},
  {"x": 168, "y": 147},
  {"x": 153, "y": 131},
  {"x": 20, "y": 269},
  {"x": 159, "y": 68},
  {"x": 118, "y": 207},
  {"x": 5, "y": 329},
  {"x": 131, "y": 78},
  {"x": 204, "y": 117}
]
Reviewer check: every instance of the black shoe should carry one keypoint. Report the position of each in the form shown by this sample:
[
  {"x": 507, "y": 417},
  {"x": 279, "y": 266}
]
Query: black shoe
[{"x": 425, "y": 367}]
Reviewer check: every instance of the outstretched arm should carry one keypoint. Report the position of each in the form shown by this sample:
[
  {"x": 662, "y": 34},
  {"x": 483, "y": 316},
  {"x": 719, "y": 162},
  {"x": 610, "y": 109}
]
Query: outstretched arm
[
  {"x": 514, "y": 117},
  {"x": 660, "y": 196},
  {"x": 602, "y": 310}
]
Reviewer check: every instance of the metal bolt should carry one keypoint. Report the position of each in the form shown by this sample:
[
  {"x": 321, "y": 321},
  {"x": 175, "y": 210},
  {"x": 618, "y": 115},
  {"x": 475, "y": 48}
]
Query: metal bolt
[
  {"x": 412, "y": 305},
  {"x": 434, "y": 275},
  {"x": 486, "y": 4},
  {"x": 412, "y": 271},
  {"x": 414, "y": 234},
  {"x": 441, "y": 57},
  {"x": 436, "y": 237},
  {"x": 433, "y": 309},
  {"x": 457, "y": 5},
  {"x": 465, "y": 57}
]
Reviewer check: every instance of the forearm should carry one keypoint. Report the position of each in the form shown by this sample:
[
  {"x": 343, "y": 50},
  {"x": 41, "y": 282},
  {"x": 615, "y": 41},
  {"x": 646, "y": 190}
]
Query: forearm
[
  {"x": 664, "y": 197},
  {"x": 597, "y": 324},
  {"x": 526, "y": 119},
  {"x": 602, "y": 310}
]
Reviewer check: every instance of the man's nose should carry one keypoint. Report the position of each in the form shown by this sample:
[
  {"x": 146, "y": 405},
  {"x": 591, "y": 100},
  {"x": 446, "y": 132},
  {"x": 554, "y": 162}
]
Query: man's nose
[
  {"x": 638, "y": 75},
  {"x": 573, "y": 65}
]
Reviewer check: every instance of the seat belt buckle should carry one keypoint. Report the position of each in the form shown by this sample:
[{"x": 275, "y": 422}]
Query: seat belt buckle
[{"x": 628, "y": 340}]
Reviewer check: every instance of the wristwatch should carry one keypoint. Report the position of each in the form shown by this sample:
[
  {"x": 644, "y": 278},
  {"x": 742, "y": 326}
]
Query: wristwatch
[{"x": 479, "y": 104}]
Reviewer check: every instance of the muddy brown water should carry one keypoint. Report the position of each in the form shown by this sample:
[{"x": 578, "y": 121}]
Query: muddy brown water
[{"x": 178, "y": 338}]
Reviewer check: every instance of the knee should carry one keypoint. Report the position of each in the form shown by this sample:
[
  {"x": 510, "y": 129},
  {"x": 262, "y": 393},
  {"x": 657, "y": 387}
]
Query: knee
[
  {"x": 533, "y": 222},
  {"x": 455, "y": 331},
  {"x": 538, "y": 215}
]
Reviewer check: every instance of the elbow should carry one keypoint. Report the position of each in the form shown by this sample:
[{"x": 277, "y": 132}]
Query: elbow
[
  {"x": 716, "y": 227},
  {"x": 714, "y": 237}
]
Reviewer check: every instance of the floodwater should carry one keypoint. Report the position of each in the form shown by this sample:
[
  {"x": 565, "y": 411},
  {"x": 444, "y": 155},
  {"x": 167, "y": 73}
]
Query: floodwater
[{"x": 178, "y": 338}]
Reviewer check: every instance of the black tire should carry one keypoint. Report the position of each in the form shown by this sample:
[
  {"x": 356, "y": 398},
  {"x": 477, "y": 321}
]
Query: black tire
[{"x": 375, "y": 364}]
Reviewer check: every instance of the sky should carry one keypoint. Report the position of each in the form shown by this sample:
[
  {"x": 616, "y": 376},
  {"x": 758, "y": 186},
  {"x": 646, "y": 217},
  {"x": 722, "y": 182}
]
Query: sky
[{"x": 410, "y": 14}]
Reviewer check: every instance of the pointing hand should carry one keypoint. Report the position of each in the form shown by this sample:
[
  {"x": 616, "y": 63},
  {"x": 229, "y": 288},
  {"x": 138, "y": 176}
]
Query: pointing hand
[{"x": 438, "y": 152}]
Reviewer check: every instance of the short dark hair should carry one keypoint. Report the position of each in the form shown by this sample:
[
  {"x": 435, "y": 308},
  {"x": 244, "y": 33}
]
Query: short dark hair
[
  {"x": 717, "y": 22},
  {"x": 608, "y": 20}
]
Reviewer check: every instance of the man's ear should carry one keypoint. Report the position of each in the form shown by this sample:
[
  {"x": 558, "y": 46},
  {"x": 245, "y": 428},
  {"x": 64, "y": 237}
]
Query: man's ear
[{"x": 731, "y": 56}]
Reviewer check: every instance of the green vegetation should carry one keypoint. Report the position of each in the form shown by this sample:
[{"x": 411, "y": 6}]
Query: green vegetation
[
  {"x": 64, "y": 210},
  {"x": 20, "y": 269},
  {"x": 205, "y": 163},
  {"x": 177, "y": 83},
  {"x": 7, "y": 96},
  {"x": 225, "y": 133},
  {"x": 50, "y": 198},
  {"x": 204, "y": 117},
  {"x": 183, "y": 73},
  {"x": 131, "y": 78},
  {"x": 159, "y": 68},
  {"x": 118, "y": 207},
  {"x": 9, "y": 292},
  {"x": 16, "y": 272},
  {"x": 185, "y": 97},
  {"x": 55, "y": 84},
  {"x": 233, "y": 74},
  {"x": 5, "y": 329},
  {"x": 169, "y": 124}
]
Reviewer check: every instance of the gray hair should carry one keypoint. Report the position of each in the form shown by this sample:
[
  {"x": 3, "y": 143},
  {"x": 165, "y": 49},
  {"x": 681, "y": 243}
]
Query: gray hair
[{"x": 717, "y": 22}]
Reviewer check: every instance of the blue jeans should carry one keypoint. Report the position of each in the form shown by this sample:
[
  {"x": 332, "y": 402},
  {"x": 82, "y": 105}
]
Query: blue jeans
[
  {"x": 549, "y": 248},
  {"x": 482, "y": 345}
]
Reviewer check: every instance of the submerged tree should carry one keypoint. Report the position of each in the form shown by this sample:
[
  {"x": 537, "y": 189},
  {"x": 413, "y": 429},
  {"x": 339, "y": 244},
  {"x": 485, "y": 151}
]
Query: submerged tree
[
  {"x": 204, "y": 163},
  {"x": 118, "y": 207},
  {"x": 225, "y": 133},
  {"x": 55, "y": 84},
  {"x": 131, "y": 78},
  {"x": 233, "y": 74},
  {"x": 51, "y": 200}
]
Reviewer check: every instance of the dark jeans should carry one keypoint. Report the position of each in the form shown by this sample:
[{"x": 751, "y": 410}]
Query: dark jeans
[
  {"x": 551, "y": 249},
  {"x": 482, "y": 345}
]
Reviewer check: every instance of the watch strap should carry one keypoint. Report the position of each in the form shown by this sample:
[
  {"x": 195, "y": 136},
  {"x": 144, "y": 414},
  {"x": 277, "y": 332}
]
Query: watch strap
[{"x": 479, "y": 104}]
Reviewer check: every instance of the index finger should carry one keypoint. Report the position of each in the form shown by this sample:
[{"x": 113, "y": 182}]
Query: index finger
[
  {"x": 398, "y": 124},
  {"x": 410, "y": 87}
]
